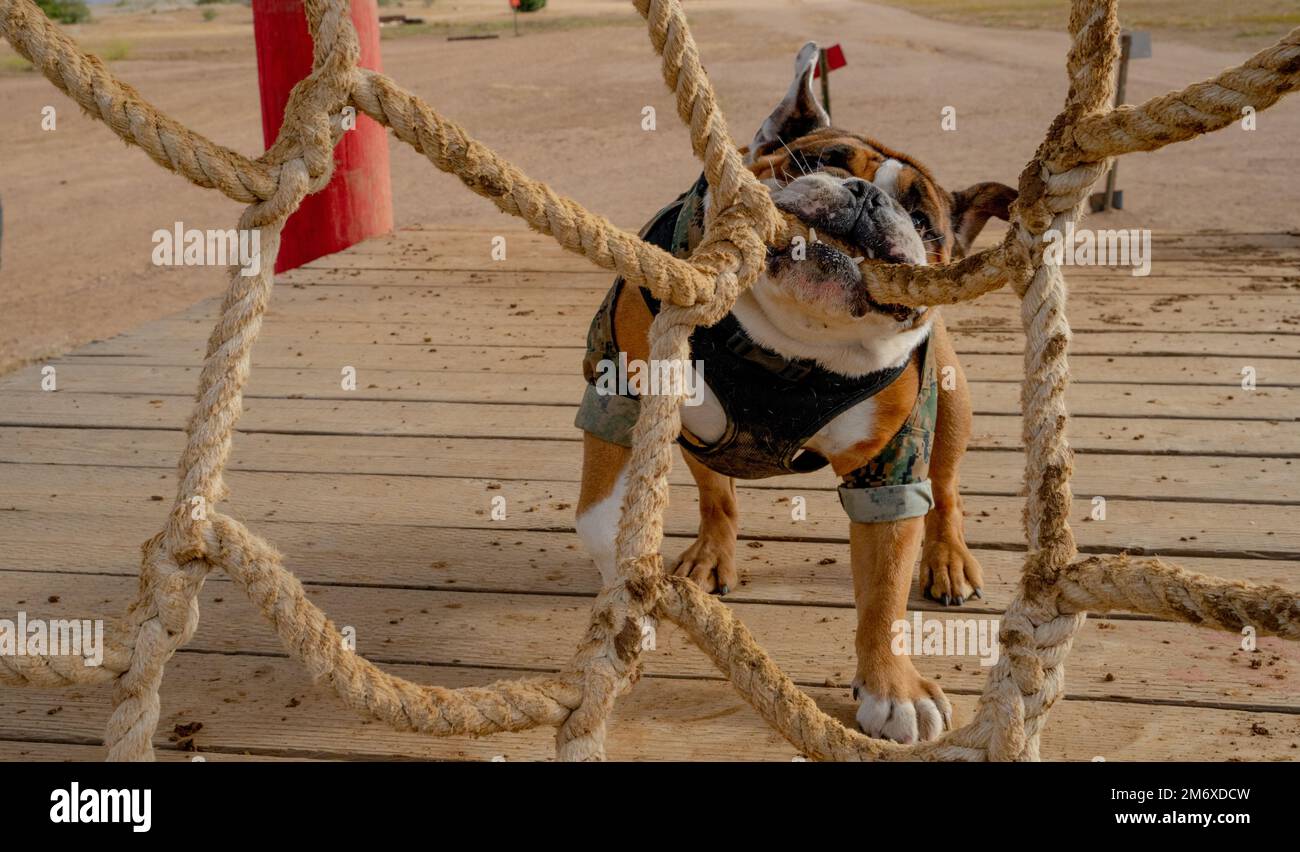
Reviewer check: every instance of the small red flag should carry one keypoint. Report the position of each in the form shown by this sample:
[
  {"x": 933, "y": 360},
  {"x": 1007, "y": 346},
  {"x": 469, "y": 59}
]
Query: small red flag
[{"x": 834, "y": 59}]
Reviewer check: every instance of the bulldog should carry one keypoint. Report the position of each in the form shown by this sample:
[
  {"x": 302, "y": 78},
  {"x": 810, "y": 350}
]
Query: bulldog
[{"x": 808, "y": 370}]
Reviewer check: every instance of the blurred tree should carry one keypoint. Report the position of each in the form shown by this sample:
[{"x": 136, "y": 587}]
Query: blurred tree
[{"x": 65, "y": 11}]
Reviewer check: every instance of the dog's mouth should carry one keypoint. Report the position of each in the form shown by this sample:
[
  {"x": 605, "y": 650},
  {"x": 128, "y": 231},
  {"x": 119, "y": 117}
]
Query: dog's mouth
[
  {"x": 825, "y": 267},
  {"x": 851, "y": 222}
]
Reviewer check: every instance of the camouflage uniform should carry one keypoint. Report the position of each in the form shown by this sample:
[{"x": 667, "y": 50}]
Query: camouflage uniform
[{"x": 896, "y": 483}]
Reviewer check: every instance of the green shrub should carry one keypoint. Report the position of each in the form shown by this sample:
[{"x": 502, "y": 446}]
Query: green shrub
[
  {"x": 115, "y": 51},
  {"x": 209, "y": 14},
  {"x": 65, "y": 11},
  {"x": 15, "y": 63}
]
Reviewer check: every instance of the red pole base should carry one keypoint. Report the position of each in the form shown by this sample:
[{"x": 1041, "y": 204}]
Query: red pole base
[{"x": 358, "y": 202}]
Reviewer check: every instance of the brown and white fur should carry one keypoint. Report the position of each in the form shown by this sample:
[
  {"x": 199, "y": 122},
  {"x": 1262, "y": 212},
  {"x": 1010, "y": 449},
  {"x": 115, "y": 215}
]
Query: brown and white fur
[{"x": 889, "y": 207}]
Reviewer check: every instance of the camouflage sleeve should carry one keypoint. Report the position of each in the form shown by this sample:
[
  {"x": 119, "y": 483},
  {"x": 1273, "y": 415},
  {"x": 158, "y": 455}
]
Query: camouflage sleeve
[
  {"x": 602, "y": 411},
  {"x": 607, "y": 416},
  {"x": 887, "y": 502},
  {"x": 896, "y": 483}
]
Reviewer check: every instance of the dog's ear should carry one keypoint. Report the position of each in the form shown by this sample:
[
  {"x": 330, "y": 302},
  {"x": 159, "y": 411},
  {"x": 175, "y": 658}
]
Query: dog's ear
[
  {"x": 799, "y": 113},
  {"x": 972, "y": 207}
]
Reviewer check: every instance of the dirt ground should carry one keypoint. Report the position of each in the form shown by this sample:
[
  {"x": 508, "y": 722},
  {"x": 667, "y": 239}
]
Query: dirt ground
[{"x": 565, "y": 101}]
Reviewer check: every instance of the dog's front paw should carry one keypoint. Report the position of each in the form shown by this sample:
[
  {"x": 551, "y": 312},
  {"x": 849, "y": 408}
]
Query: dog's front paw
[
  {"x": 950, "y": 573},
  {"x": 711, "y": 563},
  {"x": 900, "y": 705}
]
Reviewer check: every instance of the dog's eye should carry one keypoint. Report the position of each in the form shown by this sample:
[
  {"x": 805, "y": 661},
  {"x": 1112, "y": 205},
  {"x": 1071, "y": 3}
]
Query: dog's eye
[{"x": 921, "y": 222}]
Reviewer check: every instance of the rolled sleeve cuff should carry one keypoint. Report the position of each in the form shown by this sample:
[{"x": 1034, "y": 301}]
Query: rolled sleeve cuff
[
  {"x": 607, "y": 416},
  {"x": 887, "y": 502}
]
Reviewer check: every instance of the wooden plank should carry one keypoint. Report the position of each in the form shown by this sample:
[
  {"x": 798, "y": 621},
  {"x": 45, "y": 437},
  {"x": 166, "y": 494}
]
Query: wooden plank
[
  {"x": 1148, "y": 370},
  {"x": 1135, "y": 477},
  {"x": 528, "y": 561},
  {"x": 1172, "y": 268},
  {"x": 192, "y": 331},
  {"x": 451, "y": 237},
  {"x": 1163, "y": 273},
  {"x": 280, "y": 713},
  {"x": 1111, "y": 658},
  {"x": 565, "y": 312},
  {"x": 1269, "y": 401},
  {"x": 1166, "y": 527},
  {"x": 432, "y": 275},
  {"x": 27, "y": 751},
  {"x": 570, "y": 311},
  {"x": 473, "y": 249},
  {"x": 442, "y": 419}
]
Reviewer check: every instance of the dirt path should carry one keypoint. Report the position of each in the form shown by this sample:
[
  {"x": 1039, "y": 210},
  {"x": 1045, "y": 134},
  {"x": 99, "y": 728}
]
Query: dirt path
[{"x": 565, "y": 102}]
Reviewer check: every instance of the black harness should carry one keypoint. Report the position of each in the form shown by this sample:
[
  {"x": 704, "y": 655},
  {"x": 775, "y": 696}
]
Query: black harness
[{"x": 773, "y": 404}]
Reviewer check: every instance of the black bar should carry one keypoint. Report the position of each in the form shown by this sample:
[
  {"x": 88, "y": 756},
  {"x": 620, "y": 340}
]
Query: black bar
[{"x": 219, "y": 797}]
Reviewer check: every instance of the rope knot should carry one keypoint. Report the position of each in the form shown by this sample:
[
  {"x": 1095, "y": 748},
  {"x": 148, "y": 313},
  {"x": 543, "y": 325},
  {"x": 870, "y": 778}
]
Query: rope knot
[{"x": 172, "y": 590}]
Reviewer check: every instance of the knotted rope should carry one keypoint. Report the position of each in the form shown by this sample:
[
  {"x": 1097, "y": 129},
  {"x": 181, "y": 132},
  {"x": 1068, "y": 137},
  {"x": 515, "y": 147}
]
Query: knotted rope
[{"x": 1055, "y": 592}]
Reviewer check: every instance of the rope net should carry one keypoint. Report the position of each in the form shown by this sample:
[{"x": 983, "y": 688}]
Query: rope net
[{"x": 1055, "y": 592}]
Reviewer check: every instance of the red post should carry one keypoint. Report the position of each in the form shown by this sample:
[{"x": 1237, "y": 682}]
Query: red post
[{"x": 358, "y": 202}]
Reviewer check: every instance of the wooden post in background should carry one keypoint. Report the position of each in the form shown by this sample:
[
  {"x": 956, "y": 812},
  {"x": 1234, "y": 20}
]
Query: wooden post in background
[
  {"x": 825, "y": 74},
  {"x": 1133, "y": 45},
  {"x": 828, "y": 59},
  {"x": 358, "y": 202}
]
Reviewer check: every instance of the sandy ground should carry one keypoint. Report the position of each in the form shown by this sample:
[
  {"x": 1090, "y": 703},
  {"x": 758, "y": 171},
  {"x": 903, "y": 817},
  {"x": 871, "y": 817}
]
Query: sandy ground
[{"x": 565, "y": 102}]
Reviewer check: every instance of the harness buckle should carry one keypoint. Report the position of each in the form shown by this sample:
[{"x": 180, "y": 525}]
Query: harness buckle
[
  {"x": 740, "y": 344},
  {"x": 793, "y": 371},
  {"x": 787, "y": 369}
]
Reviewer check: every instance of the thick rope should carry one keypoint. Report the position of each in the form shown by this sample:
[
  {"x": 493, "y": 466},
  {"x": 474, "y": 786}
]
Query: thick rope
[
  {"x": 1165, "y": 590},
  {"x": 49, "y": 671},
  {"x": 741, "y": 221},
  {"x": 1055, "y": 592},
  {"x": 1034, "y": 638},
  {"x": 1201, "y": 108},
  {"x": 314, "y": 640},
  {"x": 85, "y": 79}
]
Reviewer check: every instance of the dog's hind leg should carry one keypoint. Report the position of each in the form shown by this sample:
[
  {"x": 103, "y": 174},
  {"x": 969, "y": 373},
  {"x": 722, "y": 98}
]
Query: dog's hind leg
[
  {"x": 600, "y": 505},
  {"x": 600, "y": 502},
  {"x": 711, "y": 560},
  {"x": 950, "y": 573}
]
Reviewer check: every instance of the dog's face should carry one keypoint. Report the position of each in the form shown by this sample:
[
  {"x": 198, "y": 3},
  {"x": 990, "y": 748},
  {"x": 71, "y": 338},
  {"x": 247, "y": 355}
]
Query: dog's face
[{"x": 882, "y": 203}]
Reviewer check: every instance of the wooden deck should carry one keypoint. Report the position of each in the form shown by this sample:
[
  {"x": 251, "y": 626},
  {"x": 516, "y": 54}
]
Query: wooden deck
[{"x": 467, "y": 373}]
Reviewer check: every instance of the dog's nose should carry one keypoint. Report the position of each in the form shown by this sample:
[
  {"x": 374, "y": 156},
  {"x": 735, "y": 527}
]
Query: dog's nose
[{"x": 864, "y": 191}]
